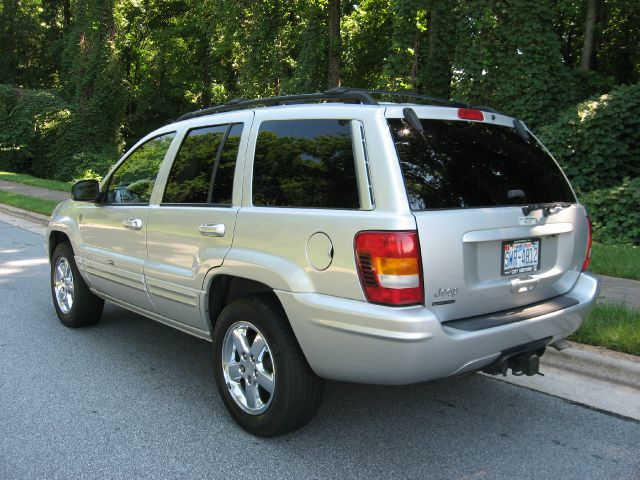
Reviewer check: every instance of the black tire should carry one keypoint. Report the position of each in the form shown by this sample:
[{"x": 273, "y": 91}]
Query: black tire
[
  {"x": 86, "y": 307},
  {"x": 297, "y": 390}
]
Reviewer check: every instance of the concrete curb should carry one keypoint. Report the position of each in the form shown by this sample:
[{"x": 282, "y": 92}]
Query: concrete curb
[
  {"x": 596, "y": 362},
  {"x": 26, "y": 214}
]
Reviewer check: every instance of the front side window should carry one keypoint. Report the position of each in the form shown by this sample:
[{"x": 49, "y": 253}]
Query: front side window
[
  {"x": 133, "y": 181},
  {"x": 305, "y": 163}
]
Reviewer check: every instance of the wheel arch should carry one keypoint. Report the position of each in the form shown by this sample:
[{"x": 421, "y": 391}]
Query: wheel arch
[
  {"x": 225, "y": 288},
  {"x": 56, "y": 237}
]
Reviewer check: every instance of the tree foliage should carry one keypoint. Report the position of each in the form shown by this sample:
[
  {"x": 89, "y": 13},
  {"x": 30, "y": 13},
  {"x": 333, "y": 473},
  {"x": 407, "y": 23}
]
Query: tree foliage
[
  {"x": 598, "y": 142},
  {"x": 83, "y": 79}
]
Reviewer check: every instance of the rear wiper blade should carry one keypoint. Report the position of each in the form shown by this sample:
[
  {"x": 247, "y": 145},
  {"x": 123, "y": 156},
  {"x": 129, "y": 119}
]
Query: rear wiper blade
[{"x": 545, "y": 207}]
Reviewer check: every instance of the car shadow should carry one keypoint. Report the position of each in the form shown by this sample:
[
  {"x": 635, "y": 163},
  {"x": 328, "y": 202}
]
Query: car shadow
[{"x": 467, "y": 425}]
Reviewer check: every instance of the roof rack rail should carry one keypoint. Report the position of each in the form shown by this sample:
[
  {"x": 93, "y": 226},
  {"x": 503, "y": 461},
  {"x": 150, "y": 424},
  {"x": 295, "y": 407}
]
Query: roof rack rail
[
  {"x": 430, "y": 99},
  {"x": 359, "y": 95},
  {"x": 348, "y": 95}
]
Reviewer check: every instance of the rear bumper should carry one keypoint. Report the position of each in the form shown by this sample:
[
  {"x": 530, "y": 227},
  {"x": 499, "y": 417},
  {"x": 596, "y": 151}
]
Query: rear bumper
[{"x": 354, "y": 341}]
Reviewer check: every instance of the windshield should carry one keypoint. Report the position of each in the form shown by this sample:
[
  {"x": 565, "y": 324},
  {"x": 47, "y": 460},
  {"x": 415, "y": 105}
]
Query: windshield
[{"x": 460, "y": 164}]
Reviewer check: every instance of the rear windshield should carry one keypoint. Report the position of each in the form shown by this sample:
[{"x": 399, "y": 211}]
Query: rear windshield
[{"x": 462, "y": 164}]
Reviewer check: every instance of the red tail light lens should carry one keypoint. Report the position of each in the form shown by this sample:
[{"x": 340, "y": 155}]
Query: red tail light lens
[
  {"x": 389, "y": 267},
  {"x": 587, "y": 257},
  {"x": 470, "y": 114}
]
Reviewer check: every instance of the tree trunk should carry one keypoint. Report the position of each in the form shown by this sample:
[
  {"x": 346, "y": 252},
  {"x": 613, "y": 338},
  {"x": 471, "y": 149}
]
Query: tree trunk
[
  {"x": 589, "y": 30},
  {"x": 436, "y": 70},
  {"x": 333, "y": 79},
  {"x": 8, "y": 51},
  {"x": 66, "y": 13},
  {"x": 415, "y": 60},
  {"x": 207, "y": 79}
]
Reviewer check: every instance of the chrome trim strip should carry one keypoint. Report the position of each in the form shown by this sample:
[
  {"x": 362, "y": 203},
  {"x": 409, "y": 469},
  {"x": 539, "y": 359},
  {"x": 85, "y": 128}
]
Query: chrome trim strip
[
  {"x": 121, "y": 277},
  {"x": 173, "y": 292},
  {"x": 516, "y": 232}
]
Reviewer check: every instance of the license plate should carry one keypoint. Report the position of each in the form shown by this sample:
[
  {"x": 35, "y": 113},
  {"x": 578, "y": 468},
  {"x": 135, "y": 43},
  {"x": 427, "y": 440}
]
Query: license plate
[{"x": 520, "y": 256}]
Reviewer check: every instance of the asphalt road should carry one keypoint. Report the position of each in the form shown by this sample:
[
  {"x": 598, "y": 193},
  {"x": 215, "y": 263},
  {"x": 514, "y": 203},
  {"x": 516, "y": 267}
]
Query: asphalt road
[{"x": 131, "y": 398}]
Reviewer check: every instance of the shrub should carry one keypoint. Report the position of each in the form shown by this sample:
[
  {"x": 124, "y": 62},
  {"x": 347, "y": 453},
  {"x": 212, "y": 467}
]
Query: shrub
[
  {"x": 88, "y": 174},
  {"x": 615, "y": 213},
  {"x": 598, "y": 142},
  {"x": 31, "y": 121},
  {"x": 65, "y": 166},
  {"x": 44, "y": 135}
]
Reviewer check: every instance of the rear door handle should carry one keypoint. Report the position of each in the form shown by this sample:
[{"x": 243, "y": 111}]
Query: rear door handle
[
  {"x": 132, "y": 223},
  {"x": 212, "y": 229},
  {"x": 521, "y": 285}
]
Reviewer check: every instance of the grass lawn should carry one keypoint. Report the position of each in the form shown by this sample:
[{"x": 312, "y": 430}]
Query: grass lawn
[
  {"x": 616, "y": 261},
  {"x": 612, "y": 326},
  {"x": 25, "y": 202},
  {"x": 34, "y": 181}
]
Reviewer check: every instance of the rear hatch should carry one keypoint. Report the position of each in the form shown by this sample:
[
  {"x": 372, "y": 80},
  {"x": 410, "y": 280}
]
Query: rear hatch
[{"x": 467, "y": 182}]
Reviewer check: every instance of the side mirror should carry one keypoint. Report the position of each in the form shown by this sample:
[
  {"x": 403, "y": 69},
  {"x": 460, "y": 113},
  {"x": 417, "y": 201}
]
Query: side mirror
[{"x": 86, "y": 191}]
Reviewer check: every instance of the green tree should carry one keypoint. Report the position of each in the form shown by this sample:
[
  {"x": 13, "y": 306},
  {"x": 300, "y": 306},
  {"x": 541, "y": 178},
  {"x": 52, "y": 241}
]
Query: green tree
[{"x": 93, "y": 80}]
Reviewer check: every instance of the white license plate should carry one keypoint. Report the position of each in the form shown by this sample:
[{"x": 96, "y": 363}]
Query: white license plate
[{"x": 520, "y": 256}]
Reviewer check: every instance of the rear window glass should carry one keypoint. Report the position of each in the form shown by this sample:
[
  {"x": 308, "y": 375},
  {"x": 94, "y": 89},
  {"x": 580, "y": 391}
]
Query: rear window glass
[
  {"x": 305, "y": 163},
  {"x": 461, "y": 164}
]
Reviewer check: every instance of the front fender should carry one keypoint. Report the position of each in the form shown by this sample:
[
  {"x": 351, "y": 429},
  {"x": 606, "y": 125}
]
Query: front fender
[{"x": 65, "y": 219}]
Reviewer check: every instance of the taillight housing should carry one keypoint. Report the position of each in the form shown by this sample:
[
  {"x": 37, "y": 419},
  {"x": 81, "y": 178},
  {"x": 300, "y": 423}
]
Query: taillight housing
[
  {"x": 587, "y": 257},
  {"x": 389, "y": 267}
]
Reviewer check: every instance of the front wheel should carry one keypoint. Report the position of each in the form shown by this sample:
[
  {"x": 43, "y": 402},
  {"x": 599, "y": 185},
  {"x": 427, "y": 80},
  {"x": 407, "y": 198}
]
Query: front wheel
[
  {"x": 75, "y": 305},
  {"x": 261, "y": 373}
]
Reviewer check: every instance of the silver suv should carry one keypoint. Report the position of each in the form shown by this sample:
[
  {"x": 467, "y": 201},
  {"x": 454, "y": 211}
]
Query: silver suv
[{"x": 333, "y": 236}]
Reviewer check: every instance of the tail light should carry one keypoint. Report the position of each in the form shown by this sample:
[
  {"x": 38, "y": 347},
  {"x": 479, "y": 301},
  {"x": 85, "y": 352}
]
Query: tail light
[
  {"x": 587, "y": 257},
  {"x": 389, "y": 267},
  {"x": 470, "y": 114}
]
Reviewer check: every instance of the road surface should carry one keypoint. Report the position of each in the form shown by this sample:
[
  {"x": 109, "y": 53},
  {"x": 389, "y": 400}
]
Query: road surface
[{"x": 131, "y": 398}]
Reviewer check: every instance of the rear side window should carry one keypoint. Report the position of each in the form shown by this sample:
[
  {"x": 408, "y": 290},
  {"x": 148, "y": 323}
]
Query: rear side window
[
  {"x": 472, "y": 164},
  {"x": 203, "y": 169},
  {"x": 305, "y": 163}
]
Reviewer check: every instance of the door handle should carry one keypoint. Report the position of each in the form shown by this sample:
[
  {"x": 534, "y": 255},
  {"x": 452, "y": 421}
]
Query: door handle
[
  {"x": 132, "y": 223},
  {"x": 212, "y": 229},
  {"x": 521, "y": 285}
]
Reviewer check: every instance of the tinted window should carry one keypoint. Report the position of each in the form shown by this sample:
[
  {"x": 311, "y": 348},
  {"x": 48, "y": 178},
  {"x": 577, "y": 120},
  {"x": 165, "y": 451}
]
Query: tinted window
[
  {"x": 305, "y": 163},
  {"x": 133, "y": 181},
  {"x": 223, "y": 179},
  {"x": 191, "y": 172},
  {"x": 471, "y": 164}
]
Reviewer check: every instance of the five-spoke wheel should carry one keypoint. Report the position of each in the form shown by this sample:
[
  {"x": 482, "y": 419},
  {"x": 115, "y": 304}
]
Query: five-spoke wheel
[
  {"x": 75, "y": 305},
  {"x": 261, "y": 373},
  {"x": 248, "y": 367},
  {"x": 63, "y": 285}
]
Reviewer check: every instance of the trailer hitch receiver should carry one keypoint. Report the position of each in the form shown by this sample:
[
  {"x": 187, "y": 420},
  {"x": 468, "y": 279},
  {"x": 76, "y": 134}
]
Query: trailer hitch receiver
[{"x": 523, "y": 360}]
